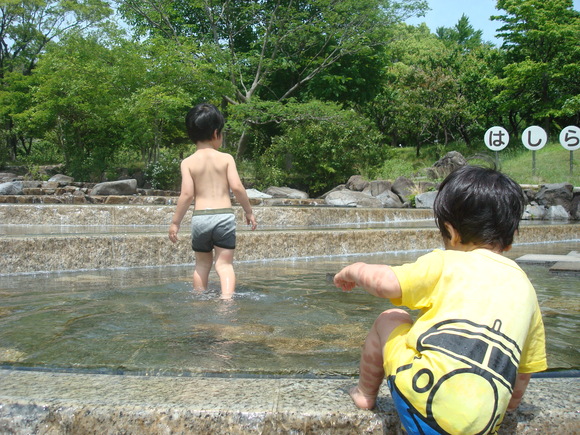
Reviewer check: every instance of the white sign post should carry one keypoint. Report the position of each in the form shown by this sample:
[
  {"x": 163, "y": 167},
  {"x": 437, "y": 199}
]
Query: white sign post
[
  {"x": 496, "y": 139},
  {"x": 534, "y": 138},
  {"x": 570, "y": 140}
]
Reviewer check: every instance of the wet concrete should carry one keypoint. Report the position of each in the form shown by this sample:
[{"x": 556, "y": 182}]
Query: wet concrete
[
  {"x": 68, "y": 403},
  {"x": 284, "y": 232}
]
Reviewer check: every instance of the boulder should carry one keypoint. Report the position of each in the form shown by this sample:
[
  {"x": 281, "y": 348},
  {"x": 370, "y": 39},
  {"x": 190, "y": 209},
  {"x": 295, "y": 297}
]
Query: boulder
[
  {"x": 556, "y": 194},
  {"x": 425, "y": 200},
  {"x": 446, "y": 165},
  {"x": 379, "y": 186},
  {"x": 390, "y": 199},
  {"x": 357, "y": 183},
  {"x": 7, "y": 176},
  {"x": 11, "y": 188},
  {"x": 286, "y": 192},
  {"x": 61, "y": 179},
  {"x": 534, "y": 212},
  {"x": 256, "y": 194},
  {"x": 557, "y": 213},
  {"x": 575, "y": 206},
  {"x": 404, "y": 187},
  {"x": 121, "y": 187},
  {"x": 338, "y": 188},
  {"x": 352, "y": 199}
]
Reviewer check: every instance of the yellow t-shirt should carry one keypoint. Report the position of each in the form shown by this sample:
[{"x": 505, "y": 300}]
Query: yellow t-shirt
[{"x": 480, "y": 324}]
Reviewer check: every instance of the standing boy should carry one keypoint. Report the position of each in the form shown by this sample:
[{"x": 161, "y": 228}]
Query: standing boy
[
  {"x": 469, "y": 355},
  {"x": 207, "y": 176}
]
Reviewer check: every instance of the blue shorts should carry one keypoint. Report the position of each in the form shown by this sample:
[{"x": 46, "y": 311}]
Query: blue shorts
[{"x": 213, "y": 227}]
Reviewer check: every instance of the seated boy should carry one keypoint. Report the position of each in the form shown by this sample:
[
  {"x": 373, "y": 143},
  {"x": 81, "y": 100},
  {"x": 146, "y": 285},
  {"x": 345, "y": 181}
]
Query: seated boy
[
  {"x": 207, "y": 177},
  {"x": 479, "y": 335}
]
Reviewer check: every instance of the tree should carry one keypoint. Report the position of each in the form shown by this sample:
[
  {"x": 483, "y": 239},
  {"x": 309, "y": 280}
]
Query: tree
[
  {"x": 257, "y": 40},
  {"x": 432, "y": 92},
  {"x": 541, "y": 81},
  {"x": 26, "y": 28},
  {"x": 81, "y": 85},
  {"x": 463, "y": 34}
]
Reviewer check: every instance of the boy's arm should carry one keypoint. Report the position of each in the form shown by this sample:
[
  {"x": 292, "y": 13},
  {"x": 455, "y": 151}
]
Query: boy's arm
[
  {"x": 240, "y": 193},
  {"x": 183, "y": 203},
  {"x": 522, "y": 380},
  {"x": 377, "y": 279}
]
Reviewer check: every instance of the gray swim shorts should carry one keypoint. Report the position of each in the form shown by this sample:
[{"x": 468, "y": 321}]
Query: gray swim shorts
[{"x": 213, "y": 227}]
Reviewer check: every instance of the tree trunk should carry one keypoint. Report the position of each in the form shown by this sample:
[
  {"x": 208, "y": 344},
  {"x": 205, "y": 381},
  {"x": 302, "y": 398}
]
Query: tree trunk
[{"x": 242, "y": 144}]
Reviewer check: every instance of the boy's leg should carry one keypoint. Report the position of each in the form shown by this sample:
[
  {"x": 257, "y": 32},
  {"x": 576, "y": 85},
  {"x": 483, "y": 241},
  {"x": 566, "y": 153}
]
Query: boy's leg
[
  {"x": 372, "y": 372},
  {"x": 224, "y": 259},
  {"x": 203, "y": 262}
]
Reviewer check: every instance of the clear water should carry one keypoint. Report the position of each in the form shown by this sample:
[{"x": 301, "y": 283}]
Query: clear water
[{"x": 285, "y": 319}]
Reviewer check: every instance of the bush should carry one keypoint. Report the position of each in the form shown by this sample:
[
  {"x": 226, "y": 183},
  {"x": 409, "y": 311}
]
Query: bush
[
  {"x": 165, "y": 173},
  {"x": 321, "y": 150}
]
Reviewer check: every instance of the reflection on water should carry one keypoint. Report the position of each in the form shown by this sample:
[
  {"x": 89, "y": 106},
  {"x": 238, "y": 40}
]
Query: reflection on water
[{"x": 285, "y": 318}]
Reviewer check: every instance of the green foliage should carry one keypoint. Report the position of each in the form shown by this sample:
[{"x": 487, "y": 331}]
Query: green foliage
[
  {"x": 164, "y": 173},
  {"x": 272, "y": 50},
  {"x": 321, "y": 147},
  {"x": 541, "y": 81}
]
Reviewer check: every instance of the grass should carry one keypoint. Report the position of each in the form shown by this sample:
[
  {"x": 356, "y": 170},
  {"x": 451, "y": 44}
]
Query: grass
[
  {"x": 552, "y": 163},
  {"x": 552, "y": 166}
]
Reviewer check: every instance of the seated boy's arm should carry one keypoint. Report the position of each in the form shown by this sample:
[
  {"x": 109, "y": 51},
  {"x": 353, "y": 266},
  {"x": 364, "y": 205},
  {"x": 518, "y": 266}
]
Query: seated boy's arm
[
  {"x": 377, "y": 279},
  {"x": 522, "y": 381}
]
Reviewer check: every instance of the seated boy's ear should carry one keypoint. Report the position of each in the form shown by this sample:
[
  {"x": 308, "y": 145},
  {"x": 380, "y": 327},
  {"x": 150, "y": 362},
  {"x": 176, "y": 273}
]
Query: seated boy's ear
[
  {"x": 455, "y": 239},
  {"x": 507, "y": 248}
]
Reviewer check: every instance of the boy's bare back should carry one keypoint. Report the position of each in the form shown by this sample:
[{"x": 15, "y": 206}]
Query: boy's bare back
[{"x": 212, "y": 174}]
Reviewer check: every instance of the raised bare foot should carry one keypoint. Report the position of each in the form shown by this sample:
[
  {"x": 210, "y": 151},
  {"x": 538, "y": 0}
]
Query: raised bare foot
[{"x": 362, "y": 400}]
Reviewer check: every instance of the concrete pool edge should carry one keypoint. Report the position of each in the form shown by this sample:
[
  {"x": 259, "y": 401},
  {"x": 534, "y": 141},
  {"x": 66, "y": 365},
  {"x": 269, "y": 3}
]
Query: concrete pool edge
[{"x": 64, "y": 403}]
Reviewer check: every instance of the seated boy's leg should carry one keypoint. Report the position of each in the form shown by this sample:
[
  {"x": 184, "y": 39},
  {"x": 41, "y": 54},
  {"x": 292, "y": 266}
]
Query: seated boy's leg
[
  {"x": 224, "y": 259},
  {"x": 372, "y": 372},
  {"x": 203, "y": 262}
]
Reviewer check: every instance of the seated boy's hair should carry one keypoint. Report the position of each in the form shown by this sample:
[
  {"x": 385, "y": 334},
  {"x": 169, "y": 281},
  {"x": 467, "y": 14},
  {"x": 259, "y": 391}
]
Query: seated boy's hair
[
  {"x": 202, "y": 121},
  {"x": 483, "y": 205}
]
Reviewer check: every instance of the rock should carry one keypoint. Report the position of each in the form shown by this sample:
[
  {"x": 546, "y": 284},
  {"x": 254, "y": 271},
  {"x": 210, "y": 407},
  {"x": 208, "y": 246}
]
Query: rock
[
  {"x": 6, "y": 177},
  {"x": 556, "y": 194},
  {"x": 338, "y": 188},
  {"x": 286, "y": 192},
  {"x": 256, "y": 194},
  {"x": 534, "y": 212},
  {"x": 390, "y": 199},
  {"x": 575, "y": 206},
  {"x": 404, "y": 187},
  {"x": 61, "y": 179},
  {"x": 357, "y": 183},
  {"x": 446, "y": 165},
  {"x": 379, "y": 186},
  {"x": 425, "y": 200},
  {"x": 352, "y": 199},
  {"x": 31, "y": 184},
  {"x": 11, "y": 188},
  {"x": 557, "y": 212},
  {"x": 122, "y": 187}
]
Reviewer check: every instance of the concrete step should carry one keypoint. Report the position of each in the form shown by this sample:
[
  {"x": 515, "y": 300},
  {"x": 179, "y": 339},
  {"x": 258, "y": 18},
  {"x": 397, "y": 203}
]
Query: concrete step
[
  {"x": 65, "y": 403},
  {"x": 161, "y": 214},
  {"x": 25, "y": 254}
]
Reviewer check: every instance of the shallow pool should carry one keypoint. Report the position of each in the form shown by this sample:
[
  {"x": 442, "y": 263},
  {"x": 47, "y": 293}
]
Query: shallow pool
[{"x": 286, "y": 318}]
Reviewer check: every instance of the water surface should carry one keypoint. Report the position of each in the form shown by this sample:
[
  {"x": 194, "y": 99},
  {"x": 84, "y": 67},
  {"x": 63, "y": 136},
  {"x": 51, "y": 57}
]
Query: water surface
[{"x": 285, "y": 318}]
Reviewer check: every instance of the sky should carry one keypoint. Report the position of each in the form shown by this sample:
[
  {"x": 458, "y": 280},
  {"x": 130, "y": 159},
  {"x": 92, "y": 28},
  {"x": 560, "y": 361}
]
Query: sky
[{"x": 446, "y": 13}]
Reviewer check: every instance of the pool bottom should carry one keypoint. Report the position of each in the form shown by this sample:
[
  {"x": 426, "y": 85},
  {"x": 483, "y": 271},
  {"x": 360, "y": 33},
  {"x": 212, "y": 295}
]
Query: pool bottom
[{"x": 62, "y": 403}]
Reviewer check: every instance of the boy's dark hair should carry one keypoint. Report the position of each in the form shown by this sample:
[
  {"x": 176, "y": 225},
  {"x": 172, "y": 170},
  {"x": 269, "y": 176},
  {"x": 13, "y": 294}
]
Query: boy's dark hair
[
  {"x": 202, "y": 121},
  {"x": 483, "y": 205}
]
